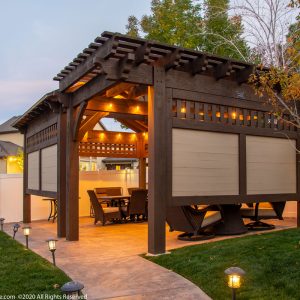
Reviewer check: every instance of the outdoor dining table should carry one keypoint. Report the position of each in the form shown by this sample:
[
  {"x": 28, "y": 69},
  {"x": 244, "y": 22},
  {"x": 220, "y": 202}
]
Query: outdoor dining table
[{"x": 113, "y": 200}]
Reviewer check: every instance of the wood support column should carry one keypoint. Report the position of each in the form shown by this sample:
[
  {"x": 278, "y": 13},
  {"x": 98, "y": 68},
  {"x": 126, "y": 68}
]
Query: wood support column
[
  {"x": 158, "y": 154},
  {"x": 61, "y": 176},
  {"x": 72, "y": 179},
  {"x": 142, "y": 172},
  {"x": 26, "y": 197}
]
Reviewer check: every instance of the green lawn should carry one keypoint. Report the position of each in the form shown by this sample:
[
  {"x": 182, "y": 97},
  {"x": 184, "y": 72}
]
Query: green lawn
[
  {"x": 24, "y": 272},
  {"x": 272, "y": 263}
]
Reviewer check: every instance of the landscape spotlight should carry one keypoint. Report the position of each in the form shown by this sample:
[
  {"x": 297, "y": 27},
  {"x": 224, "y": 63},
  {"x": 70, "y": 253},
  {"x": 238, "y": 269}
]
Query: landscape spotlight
[
  {"x": 235, "y": 275},
  {"x": 52, "y": 247},
  {"x": 72, "y": 289},
  {"x": 26, "y": 231},
  {"x": 15, "y": 229}
]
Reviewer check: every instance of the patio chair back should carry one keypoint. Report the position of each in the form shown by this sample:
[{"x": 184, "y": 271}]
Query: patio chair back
[
  {"x": 179, "y": 219},
  {"x": 98, "y": 210},
  {"x": 137, "y": 203},
  {"x": 109, "y": 191},
  {"x": 132, "y": 189}
]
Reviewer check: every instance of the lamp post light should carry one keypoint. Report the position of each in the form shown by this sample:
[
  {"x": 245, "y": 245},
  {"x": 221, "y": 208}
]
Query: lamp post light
[
  {"x": 52, "y": 247},
  {"x": 26, "y": 232},
  {"x": 2, "y": 223},
  {"x": 235, "y": 275},
  {"x": 15, "y": 229},
  {"x": 72, "y": 289}
]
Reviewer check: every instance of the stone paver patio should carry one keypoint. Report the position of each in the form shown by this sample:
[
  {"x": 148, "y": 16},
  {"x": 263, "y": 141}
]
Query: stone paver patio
[{"x": 107, "y": 261}]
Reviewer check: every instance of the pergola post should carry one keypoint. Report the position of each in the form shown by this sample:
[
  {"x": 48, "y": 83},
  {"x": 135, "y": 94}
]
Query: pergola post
[
  {"x": 61, "y": 176},
  {"x": 142, "y": 172},
  {"x": 72, "y": 179},
  {"x": 158, "y": 191},
  {"x": 26, "y": 197}
]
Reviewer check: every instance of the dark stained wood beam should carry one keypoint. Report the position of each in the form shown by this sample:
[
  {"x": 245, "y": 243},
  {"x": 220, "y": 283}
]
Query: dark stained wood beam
[
  {"x": 242, "y": 76},
  {"x": 222, "y": 70},
  {"x": 78, "y": 119},
  {"x": 61, "y": 174},
  {"x": 118, "y": 89},
  {"x": 158, "y": 196},
  {"x": 170, "y": 60},
  {"x": 72, "y": 179},
  {"x": 26, "y": 196},
  {"x": 197, "y": 65},
  {"x": 142, "y": 53},
  {"x": 97, "y": 85},
  {"x": 89, "y": 64},
  {"x": 89, "y": 124},
  {"x": 124, "y": 106}
]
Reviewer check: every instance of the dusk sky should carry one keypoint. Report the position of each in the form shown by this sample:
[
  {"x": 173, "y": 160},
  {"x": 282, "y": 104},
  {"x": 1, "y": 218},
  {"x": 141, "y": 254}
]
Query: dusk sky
[{"x": 39, "y": 38}]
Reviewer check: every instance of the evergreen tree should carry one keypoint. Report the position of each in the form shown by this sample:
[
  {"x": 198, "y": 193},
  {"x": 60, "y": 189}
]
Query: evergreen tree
[{"x": 223, "y": 34}]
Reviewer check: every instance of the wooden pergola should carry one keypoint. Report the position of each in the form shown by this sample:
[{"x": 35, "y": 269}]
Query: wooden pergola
[{"x": 204, "y": 131}]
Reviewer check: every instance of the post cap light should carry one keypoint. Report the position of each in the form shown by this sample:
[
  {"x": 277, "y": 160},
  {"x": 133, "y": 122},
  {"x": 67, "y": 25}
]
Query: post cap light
[
  {"x": 2, "y": 220},
  {"x": 72, "y": 288},
  {"x": 51, "y": 244},
  {"x": 26, "y": 230},
  {"x": 16, "y": 226},
  {"x": 234, "y": 277}
]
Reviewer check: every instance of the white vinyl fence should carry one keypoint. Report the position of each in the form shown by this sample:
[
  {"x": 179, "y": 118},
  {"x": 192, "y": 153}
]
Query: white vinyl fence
[{"x": 11, "y": 193}]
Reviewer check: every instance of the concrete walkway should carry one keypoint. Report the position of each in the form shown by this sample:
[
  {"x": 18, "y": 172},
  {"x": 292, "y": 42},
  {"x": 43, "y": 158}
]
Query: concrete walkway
[{"x": 106, "y": 260}]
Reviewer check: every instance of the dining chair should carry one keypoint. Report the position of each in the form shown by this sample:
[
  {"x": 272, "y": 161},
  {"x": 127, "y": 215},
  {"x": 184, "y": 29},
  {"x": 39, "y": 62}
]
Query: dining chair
[
  {"x": 262, "y": 211},
  {"x": 103, "y": 214},
  {"x": 136, "y": 206},
  {"x": 194, "y": 223}
]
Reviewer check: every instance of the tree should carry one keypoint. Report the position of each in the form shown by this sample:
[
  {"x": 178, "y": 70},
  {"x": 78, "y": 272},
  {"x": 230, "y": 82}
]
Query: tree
[
  {"x": 278, "y": 77},
  {"x": 186, "y": 23},
  {"x": 223, "y": 34}
]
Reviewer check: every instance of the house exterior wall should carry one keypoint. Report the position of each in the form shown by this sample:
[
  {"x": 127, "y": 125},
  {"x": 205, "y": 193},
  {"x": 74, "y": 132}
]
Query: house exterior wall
[
  {"x": 271, "y": 165},
  {"x": 205, "y": 163},
  {"x": 13, "y": 137},
  {"x": 3, "y": 166}
]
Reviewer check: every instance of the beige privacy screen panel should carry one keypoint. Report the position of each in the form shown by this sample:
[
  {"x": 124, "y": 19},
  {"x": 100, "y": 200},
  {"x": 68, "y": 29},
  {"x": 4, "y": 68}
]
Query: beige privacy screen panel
[
  {"x": 33, "y": 171},
  {"x": 271, "y": 165},
  {"x": 49, "y": 169},
  {"x": 205, "y": 163}
]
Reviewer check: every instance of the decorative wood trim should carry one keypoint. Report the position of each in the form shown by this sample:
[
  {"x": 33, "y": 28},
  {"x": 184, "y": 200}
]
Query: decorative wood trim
[{"x": 194, "y": 125}]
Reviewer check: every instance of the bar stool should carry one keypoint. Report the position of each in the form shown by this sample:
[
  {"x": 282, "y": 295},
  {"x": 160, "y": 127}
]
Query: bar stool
[{"x": 53, "y": 208}]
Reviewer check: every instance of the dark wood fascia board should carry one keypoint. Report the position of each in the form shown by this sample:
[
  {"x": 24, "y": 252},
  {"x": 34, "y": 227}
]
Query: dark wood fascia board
[
  {"x": 258, "y": 104},
  {"x": 206, "y": 84},
  {"x": 232, "y": 199},
  {"x": 42, "y": 193},
  {"x": 236, "y": 129}
]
